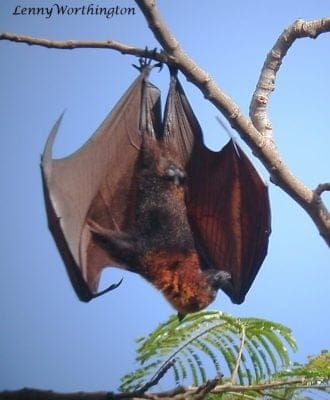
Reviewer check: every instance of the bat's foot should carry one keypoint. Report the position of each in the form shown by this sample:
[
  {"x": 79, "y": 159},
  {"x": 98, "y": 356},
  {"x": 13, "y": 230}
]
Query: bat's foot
[
  {"x": 175, "y": 174},
  {"x": 145, "y": 62}
]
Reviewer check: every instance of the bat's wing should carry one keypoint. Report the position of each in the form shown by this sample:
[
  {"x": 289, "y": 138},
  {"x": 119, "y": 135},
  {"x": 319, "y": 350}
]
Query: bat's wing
[
  {"x": 96, "y": 182},
  {"x": 227, "y": 202}
]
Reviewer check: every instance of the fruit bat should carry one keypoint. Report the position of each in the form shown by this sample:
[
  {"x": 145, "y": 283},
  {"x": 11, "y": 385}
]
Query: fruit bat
[{"x": 145, "y": 194}]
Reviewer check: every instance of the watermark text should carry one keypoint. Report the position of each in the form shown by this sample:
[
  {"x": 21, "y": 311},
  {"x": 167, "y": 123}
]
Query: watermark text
[{"x": 65, "y": 10}]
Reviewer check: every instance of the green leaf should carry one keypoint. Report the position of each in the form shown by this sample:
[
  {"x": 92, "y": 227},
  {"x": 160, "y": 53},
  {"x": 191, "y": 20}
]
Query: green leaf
[{"x": 207, "y": 344}]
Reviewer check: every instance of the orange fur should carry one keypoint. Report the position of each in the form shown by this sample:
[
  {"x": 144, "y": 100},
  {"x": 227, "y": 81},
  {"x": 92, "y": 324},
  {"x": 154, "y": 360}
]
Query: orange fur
[{"x": 179, "y": 278}]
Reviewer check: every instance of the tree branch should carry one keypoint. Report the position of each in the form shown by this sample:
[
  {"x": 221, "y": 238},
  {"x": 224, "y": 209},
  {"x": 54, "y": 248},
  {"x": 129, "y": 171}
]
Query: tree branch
[
  {"x": 159, "y": 375},
  {"x": 266, "y": 83},
  {"x": 322, "y": 187},
  {"x": 179, "y": 393},
  {"x": 85, "y": 44}
]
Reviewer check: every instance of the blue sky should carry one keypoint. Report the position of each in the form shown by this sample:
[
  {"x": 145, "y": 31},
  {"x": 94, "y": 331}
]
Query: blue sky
[{"x": 48, "y": 339}]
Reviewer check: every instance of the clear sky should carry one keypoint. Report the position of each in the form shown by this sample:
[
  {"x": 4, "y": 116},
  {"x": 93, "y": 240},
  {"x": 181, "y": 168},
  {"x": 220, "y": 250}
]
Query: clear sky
[{"x": 48, "y": 339}]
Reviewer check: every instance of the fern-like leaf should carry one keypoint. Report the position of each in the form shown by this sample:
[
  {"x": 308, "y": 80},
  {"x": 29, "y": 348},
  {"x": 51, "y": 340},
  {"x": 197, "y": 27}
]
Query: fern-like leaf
[{"x": 212, "y": 341}]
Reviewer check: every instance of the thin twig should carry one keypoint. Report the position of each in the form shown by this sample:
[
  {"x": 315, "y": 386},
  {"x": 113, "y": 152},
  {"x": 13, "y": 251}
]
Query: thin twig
[
  {"x": 239, "y": 357},
  {"x": 156, "y": 378},
  {"x": 206, "y": 388},
  {"x": 322, "y": 187},
  {"x": 85, "y": 44}
]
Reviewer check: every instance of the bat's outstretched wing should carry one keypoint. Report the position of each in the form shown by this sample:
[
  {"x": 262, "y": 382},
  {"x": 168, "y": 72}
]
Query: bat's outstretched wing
[
  {"x": 227, "y": 202},
  {"x": 95, "y": 183}
]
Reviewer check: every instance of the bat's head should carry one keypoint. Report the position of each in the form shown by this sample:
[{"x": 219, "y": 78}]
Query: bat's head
[
  {"x": 205, "y": 291},
  {"x": 179, "y": 277},
  {"x": 220, "y": 280}
]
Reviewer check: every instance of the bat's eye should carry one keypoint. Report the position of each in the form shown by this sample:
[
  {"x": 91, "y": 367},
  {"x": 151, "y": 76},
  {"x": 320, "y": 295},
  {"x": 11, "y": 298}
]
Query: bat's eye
[{"x": 175, "y": 174}]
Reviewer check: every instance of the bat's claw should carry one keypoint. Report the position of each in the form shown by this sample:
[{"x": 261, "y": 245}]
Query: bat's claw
[{"x": 108, "y": 289}]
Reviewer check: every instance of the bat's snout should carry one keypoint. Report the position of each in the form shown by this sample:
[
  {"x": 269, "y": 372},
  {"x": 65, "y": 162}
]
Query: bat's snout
[{"x": 221, "y": 280}]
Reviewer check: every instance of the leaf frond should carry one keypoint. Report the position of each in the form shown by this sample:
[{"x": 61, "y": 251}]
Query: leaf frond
[{"x": 212, "y": 340}]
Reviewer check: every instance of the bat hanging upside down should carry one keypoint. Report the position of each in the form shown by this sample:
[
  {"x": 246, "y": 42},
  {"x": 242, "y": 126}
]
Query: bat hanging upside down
[{"x": 146, "y": 195}]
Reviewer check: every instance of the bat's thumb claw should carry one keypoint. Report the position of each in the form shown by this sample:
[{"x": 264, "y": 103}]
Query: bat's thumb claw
[{"x": 111, "y": 287}]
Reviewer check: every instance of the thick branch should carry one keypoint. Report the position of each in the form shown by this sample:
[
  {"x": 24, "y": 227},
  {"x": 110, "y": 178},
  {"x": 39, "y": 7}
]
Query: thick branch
[
  {"x": 261, "y": 144},
  {"x": 310, "y": 200},
  {"x": 180, "y": 393},
  {"x": 266, "y": 84}
]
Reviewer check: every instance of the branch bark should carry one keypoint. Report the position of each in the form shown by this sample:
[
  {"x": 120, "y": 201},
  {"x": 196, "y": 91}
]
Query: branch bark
[
  {"x": 266, "y": 83},
  {"x": 84, "y": 44},
  {"x": 179, "y": 393}
]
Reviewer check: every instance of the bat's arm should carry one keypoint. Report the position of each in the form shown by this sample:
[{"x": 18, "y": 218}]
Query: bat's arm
[{"x": 121, "y": 245}]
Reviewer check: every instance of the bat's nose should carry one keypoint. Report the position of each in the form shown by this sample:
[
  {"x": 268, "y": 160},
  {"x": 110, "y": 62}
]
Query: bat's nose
[{"x": 221, "y": 280}]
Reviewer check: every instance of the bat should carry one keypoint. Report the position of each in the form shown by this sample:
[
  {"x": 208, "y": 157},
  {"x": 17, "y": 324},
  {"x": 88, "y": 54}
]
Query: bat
[{"x": 145, "y": 194}]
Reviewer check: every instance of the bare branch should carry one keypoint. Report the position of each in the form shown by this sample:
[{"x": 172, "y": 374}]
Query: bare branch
[
  {"x": 84, "y": 44},
  {"x": 159, "y": 375},
  {"x": 180, "y": 393},
  {"x": 205, "y": 389},
  {"x": 266, "y": 84},
  {"x": 294, "y": 383},
  {"x": 259, "y": 141}
]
